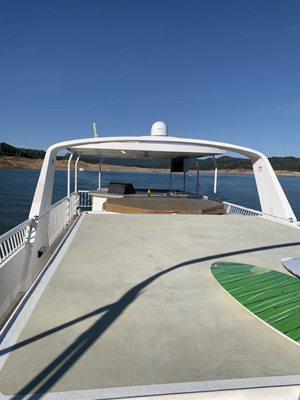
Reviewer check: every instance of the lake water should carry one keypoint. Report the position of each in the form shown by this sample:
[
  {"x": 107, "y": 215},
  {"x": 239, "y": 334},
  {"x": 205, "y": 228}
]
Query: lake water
[{"x": 18, "y": 185}]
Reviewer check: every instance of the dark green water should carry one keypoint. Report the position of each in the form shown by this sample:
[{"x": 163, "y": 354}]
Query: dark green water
[{"x": 18, "y": 185}]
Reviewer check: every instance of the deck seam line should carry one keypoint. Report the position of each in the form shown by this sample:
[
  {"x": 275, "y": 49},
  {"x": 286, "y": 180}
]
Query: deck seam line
[{"x": 15, "y": 325}]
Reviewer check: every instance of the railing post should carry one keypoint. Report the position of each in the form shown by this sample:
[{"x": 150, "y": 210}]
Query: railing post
[{"x": 28, "y": 242}]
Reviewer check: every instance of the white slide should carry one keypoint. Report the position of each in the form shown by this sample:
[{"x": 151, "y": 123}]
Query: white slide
[{"x": 292, "y": 265}]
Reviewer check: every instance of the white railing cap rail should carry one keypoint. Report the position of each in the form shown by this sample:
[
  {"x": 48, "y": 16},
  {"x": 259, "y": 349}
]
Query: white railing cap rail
[
  {"x": 260, "y": 213},
  {"x": 54, "y": 206},
  {"x": 16, "y": 229},
  {"x": 29, "y": 221},
  {"x": 243, "y": 208}
]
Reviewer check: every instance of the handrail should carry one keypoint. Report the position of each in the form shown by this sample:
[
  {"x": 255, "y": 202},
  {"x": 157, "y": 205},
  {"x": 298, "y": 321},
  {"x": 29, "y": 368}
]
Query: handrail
[
  {"x": 22, "y": 248},
  {"x": 15, "y": 238},
  {"x": 12, "y": 240},
  {"x": 53, "y": 206},
  {"x": 236, "y": 207},
  {"x": 241, "y": 210},
  {"x": 17, "y": 228}
]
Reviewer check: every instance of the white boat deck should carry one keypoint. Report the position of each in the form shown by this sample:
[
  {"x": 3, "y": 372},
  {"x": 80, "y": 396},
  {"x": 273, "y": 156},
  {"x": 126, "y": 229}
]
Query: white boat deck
[{"x": 133, "y": 302}]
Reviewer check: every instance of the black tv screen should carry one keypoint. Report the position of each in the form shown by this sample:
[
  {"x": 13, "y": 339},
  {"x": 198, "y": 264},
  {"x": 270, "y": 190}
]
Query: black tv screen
[{"x": 177, "y": 165}]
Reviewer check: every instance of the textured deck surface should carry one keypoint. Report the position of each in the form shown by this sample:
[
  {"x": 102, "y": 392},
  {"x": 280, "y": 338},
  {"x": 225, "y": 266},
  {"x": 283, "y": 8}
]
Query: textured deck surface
[
  {"x": 134, "y": 302},
  {"x": 271, "y": 295}
]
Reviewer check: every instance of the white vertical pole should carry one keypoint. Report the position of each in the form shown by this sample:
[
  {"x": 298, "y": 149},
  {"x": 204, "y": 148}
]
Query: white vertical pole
[
  {"x": 197, "y": 179},
  {"x": 99, "y": 173},
  {"x": 170, "y": 175},
  {"x": 76, "y": 176},
  {"x": 69, "y": 186},
  {"x": 184, "y": 175},
  {"x": 95, "y": 130},
  {"x": 216, "y": 176},
  {"x": 69, "y": 176}
]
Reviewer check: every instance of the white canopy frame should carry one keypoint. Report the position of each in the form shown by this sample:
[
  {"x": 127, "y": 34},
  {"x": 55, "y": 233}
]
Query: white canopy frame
[
  {"x": 273, "y": 200},
  {"x": 271, "y": 195}
]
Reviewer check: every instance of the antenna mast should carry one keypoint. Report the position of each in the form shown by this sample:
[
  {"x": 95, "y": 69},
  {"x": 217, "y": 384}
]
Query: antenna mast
[{"x": 95, "y": 130}]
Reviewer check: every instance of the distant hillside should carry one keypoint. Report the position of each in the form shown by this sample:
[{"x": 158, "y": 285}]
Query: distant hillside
[
  {"x": 287, "y": 163},
  {"x": 8, "y": 150},
  {"x": 224, "y": 162}
]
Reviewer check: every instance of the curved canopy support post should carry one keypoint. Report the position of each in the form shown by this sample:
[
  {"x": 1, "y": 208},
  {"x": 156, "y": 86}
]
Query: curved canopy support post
[
  {"x": 76, "y": 175},
  {"x": 272, "y": 198},
  {"x": 40, "y": 211},
  {"x": 215, "y": 177},
  {"x": 99, "y": 173},
  {"x": 69, "y": 176}
]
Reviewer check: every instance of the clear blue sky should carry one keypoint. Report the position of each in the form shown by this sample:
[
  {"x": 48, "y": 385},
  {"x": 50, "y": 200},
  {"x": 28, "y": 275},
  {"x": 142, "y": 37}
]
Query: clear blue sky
[{"x": 219, "y": 70}]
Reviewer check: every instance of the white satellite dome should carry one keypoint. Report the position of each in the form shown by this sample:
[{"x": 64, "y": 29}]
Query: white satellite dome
[{"x": 159, "y": 128}]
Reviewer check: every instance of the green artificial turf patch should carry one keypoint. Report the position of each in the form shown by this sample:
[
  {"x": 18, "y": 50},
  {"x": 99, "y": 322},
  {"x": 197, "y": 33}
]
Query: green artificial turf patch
[{"x": 271, "y": 295}]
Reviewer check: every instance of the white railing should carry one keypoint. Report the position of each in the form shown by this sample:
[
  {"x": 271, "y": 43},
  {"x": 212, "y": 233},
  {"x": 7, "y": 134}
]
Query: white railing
[
  {"x": 231, "y": 208},
  {"x": 12, "y": 240},
  {"x": 85, "y": 199},
  {"x": 22, "y": 247},
  {"x": 73, "y": 204},
  {"x": 58, "y": 217}
]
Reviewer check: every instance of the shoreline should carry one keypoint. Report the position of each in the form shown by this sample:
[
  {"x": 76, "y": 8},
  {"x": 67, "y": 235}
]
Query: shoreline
[{"x": 7, "y": 162}]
